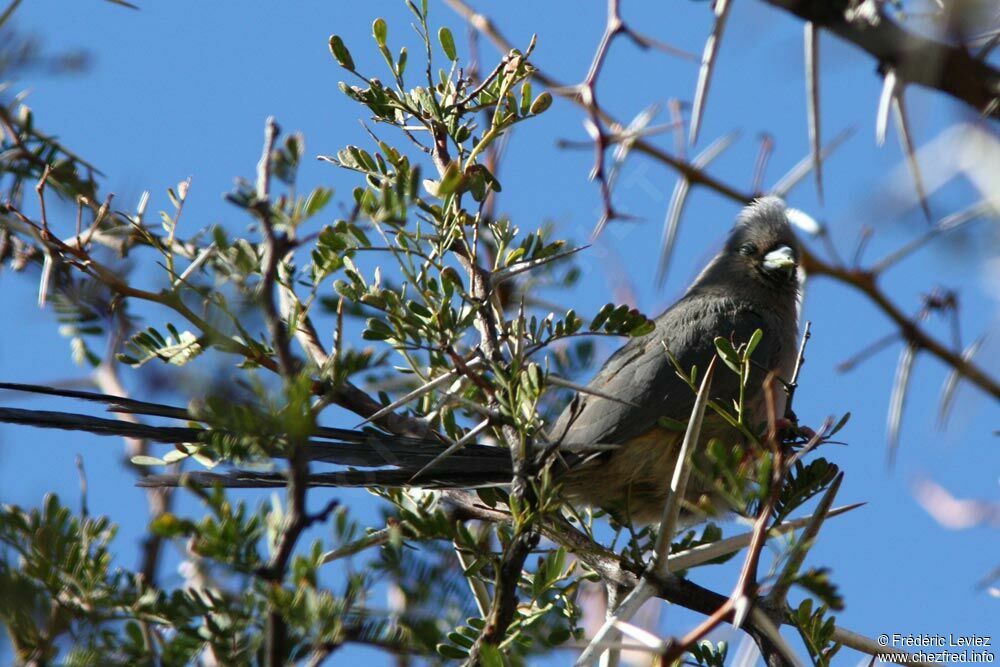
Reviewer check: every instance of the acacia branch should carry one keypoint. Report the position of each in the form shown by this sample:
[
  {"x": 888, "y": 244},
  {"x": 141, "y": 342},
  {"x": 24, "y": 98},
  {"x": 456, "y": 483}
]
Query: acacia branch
[
  {"x": 865, "y": 282},
  {"x": 948, "y": 68},
  {"x": 297, "y": 520},
  {"x": 488, "y": 324},
  {"x": 857, "y": 279}
]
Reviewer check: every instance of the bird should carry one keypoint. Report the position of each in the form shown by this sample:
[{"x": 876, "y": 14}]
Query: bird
[
  {"x": 615, "y": 448},
  {"x": 752, "y": 283}
]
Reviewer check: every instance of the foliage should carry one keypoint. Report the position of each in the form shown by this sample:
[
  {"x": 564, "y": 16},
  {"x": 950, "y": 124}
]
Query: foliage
[{"x": 454, "y": 292}]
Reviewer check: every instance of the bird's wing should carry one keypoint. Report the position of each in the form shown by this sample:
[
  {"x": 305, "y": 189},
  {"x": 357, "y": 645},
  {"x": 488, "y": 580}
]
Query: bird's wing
[{"x": 642, "y": 373}]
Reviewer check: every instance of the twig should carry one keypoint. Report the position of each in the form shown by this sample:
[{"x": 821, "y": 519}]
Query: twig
[
  {"x": 117, "y": 284},
  {"x": 682, "y": 592},
  {"x": 275, "y": 247},
  {"x": 508, "y": 272},
  {"x": 890, "y": 87},
  {"x": 865, "y": 282},
  {"x": 107, "y": 380},
  {"x": 374, "y": 539},
  {"x": 587, "y": 93},
  {"x": 738, "y": 604},
  {"x": 82, "y": 472},
  {"x": 870, "y": 646},
  {"x": 428, "y": 386},
  {"x": 696, "y": 176},
  {"x": 804, "y": 166},
  {"x": 611, "y": 657},
  {"x": 525, "y": 537},
  {"x": 296, "y": 519},
  {"x": 638, "y": 127},
  {"x": 800, "y": 358}
]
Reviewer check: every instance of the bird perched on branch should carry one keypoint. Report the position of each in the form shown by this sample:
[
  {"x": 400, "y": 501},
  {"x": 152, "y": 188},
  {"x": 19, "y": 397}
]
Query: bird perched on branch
[{"x": 614, "y": 450}]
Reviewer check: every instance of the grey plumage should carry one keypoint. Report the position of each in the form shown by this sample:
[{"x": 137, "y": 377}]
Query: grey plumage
[
  {"x": 731, "y": 298},
  {"x": 613, "y": 453}
]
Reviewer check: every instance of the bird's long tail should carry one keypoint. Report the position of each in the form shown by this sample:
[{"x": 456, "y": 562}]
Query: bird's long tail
[{"x": 366, "y": 457}]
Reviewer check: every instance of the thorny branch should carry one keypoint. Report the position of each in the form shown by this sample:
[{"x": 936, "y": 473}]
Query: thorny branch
[
  {"x": 588, "y": 98},
  {"x": 858, "y": 279},
  {"x": 614, "y": 570},
  {"x": 736, "y": 607},
  {"x": 951, "y": 69}
]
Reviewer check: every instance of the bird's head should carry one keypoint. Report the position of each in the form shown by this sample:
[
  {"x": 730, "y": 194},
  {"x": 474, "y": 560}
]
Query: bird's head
[
  {"x": 760, "y": 252},
  {"x": 762, "y": 244}
]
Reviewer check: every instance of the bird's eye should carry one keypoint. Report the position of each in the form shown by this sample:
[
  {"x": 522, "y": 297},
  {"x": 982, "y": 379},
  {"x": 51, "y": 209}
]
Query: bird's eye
[{"x": 748, "y": 249}]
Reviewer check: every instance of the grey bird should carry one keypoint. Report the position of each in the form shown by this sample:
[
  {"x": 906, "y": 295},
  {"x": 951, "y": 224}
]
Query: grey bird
[
  {"x": 752, "y": 283},
  {"x": 613, "y": 451}
]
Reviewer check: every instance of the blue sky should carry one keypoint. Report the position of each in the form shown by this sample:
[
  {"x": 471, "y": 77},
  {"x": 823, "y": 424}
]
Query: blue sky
[{"x": 182, "y": 89}]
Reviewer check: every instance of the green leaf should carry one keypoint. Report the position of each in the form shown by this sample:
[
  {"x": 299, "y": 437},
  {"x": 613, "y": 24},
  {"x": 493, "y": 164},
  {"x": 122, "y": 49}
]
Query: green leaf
[
  {"x": 316, "y": 200},
  {"x": 728, "y": 354},
  {"x": 525, "y": 97},
  {"x": 169, "y": 525},
  {"x": 843, "y": 422},
  {"x": 447, "y": 43},
  {"x": 541, "y": 103},
  {"x": 451, "y": 651},
  {"x": 752, "y": 344},
  {"x": 490, "y": 656},
  {"x": 377, "y": 330},
  {"x": 817, "y": 581},
  {"x": 401, "y": 62},
  {"x": 340, "y": 53},
  {"x": 451, "y": 180},
  {"x": 708, "y": 654},
  {"x": 802, "y": 483},
  {"x": 143, "y": 460},
  {"x": 642, "y": 328},
  {"x": 174, "y": 455},
  {"x": 461, "y": 640},
  {"x": 380, "y": 30},
  {"x": 817, "y": 632},
  {"x": 602, "y": 316}
]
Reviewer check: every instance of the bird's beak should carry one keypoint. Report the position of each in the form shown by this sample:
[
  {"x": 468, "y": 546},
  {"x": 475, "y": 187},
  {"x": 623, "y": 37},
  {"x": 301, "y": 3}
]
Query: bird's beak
[{"x": 781, "y": 258}]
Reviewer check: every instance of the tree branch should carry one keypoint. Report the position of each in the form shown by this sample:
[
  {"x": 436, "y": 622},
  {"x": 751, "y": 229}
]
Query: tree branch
[
  {"x": 857, "y": 279},
  {"x": 948, "y": 68}
]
